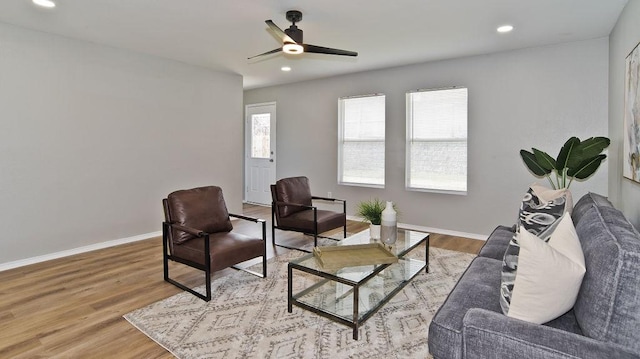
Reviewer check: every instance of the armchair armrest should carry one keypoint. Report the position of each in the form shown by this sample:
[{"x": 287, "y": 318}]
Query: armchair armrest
[
  {"x": 344, "y": 202},
  {"x": 247, "y": 218},
  {"x": 192, "y": 231},
  {"x": 328, "y": 199},
  {"x": 488, "y": 334},
  {"x": 256, "y": 220},
  {"x": 279, "y": 203}
]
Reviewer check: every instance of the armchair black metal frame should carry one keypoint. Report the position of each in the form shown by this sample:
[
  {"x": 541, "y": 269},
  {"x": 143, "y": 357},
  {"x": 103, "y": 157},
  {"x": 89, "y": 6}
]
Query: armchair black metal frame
[
  {"x": 206, "y": 267},
  {"x": 315, "y": 234}
]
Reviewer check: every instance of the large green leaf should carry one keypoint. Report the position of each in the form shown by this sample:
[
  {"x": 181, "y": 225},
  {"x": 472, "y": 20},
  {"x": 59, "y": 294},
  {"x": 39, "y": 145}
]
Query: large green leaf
[
  {"x": 566, "y": 153},
  {"x": 591, "y": 147},
  {"x": 544, "y": 160},
  {"x": 533, "y": 165},
  {"x": 586, "y": 168}
]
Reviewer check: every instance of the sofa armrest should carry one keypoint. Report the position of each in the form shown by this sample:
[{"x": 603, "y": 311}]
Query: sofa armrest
[{"x": 488, "y": 334}]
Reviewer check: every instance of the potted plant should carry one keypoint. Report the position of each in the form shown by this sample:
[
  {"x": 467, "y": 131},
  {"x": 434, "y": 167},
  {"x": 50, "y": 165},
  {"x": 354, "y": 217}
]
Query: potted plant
[
  {"x": 371, "y": 211},
  {"x": 576, "y": 160}
]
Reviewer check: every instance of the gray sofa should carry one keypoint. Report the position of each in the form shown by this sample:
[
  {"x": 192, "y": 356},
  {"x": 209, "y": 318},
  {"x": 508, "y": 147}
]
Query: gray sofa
[{"x": 604, "y": 323}]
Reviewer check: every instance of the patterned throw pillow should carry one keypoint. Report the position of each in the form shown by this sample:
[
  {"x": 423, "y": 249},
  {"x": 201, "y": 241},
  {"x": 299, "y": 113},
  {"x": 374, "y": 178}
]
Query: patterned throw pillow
[{"x": 539, "y": 214}]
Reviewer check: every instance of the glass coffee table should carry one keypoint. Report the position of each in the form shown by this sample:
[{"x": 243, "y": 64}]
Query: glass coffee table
[{"x": 351, "y": 295}]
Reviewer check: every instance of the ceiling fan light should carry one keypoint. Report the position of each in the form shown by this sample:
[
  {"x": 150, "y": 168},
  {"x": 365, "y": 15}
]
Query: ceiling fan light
[{"x": 292, "y": 48}]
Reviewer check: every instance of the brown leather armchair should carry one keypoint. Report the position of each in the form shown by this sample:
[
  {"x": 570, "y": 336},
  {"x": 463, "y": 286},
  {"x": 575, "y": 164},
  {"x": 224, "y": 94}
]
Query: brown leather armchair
[
  {"x": 197, "y": 232},
  {"x": 292, "y": 210}
]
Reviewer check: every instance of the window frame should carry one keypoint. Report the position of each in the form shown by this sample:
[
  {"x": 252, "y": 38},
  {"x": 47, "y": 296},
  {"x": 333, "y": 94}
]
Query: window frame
[
  {"x": 342, "y": 141},
  {"x": 409, "y": 140}
]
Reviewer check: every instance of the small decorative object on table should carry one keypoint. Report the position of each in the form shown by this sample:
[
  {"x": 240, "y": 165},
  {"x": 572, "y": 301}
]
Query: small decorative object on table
[
  {"x": 336, "y": 257},
  {"x": 371, "y": 211},
  {"x": 389, "y": 229}
]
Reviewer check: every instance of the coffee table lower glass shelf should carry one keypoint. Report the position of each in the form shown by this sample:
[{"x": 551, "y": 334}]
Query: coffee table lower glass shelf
[{"x": 351, "y": 295}]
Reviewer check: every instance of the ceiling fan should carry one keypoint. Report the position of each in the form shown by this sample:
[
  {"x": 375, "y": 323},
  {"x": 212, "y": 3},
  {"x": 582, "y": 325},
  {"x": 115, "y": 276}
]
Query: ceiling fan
[{"x": 292, "y": 40}]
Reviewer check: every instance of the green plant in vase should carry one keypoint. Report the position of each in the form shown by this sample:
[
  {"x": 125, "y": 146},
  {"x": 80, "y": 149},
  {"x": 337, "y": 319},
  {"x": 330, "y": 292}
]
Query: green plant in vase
[
  {"x": 576, "y": 160},
  {"x": 371, "y": 210}
]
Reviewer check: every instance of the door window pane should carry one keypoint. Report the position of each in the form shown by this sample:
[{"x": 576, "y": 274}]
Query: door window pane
[{"x": 261, "y": 135}]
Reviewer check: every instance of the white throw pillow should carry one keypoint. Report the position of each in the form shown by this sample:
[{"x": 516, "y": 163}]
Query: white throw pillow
[{"x": 549, "y": 274}]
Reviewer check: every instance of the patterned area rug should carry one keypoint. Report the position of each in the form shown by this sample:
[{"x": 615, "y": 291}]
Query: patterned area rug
[{"x": 248, "y": 318}]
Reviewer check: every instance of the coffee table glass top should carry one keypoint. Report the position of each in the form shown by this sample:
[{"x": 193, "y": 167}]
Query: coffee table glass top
[{"x": 407, "y": 241}]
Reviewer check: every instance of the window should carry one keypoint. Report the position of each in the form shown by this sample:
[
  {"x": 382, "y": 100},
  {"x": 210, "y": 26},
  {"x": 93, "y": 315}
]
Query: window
[
  {"x": 361, "y": 140},
  {"x": 437, "y": 140}
]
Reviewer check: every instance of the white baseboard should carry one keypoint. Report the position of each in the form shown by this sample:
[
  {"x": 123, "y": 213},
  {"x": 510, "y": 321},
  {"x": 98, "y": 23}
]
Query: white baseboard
[
  {"x": 434, "y": 230},
  {"x": 140, "y": 237},
  {"x": 70, "y": 252}
]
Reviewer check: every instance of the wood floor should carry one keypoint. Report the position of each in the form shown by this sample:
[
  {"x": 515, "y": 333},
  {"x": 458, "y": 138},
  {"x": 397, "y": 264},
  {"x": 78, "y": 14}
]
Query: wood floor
[{"x": 72, "y": 307}]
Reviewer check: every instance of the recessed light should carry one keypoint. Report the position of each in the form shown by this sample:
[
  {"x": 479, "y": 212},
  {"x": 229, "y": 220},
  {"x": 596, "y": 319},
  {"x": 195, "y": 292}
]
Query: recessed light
[
  {"x": 505, "y": 28},
  {"x": 285, "y": 68},
  {"x": 45, "y": 3}
]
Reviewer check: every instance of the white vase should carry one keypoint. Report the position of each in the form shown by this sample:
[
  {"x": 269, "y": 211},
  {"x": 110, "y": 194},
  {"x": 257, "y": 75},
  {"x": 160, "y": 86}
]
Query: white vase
[
  {"x": 389, "y": 225},
  {"x": 374, "y": 231}
]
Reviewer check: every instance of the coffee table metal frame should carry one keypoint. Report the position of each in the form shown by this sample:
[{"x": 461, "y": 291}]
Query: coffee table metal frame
[{"x": 407, "y": 241}]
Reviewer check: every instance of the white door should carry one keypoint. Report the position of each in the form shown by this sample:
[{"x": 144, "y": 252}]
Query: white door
[{"x": 260, "y": 157}]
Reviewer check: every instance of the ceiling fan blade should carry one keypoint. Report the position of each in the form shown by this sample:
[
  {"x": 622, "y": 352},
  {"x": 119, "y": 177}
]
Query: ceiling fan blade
[
  {"x": 266, "y": 53},
  {"x": 278, "y": 31},
  {"x": 327, "y": 50}
]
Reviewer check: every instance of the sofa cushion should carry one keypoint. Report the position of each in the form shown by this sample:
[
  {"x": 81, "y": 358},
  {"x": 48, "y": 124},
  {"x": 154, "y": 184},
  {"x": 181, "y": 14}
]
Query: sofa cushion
[
  {"x": 586, "y": 203},
  {"x": 608, "y": 305},
  {"x": 539, "y": 214},
  {"x": 475, "y": 289},
  {"x": 497, "y": 243},
  {"x": 549, "y": 274}
]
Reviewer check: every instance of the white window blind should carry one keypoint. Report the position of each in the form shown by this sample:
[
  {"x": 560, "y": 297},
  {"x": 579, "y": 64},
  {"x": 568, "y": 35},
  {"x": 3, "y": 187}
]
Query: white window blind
[
  {"x": 361, "y": 140},
  {"x": 437, "y": 140}
]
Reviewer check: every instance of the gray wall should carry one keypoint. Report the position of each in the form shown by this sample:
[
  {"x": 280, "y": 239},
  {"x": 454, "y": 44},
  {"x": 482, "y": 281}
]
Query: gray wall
[
  {"x": 624, "y": 193},
  {"x": 533, "y": 97},
  {"x": 92, "y": 138}
]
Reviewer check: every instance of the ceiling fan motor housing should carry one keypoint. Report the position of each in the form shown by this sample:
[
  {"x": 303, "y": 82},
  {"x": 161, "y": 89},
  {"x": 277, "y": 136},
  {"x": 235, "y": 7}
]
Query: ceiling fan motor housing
[{"x": 294, "y": 33}]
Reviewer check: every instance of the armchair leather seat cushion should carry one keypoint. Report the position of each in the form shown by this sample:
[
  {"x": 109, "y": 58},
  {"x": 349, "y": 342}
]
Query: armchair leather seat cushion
[
  {"x": 202, "y": 208},
  {"x": 327, "y": 220},
  {"x": 226, "y": 249},
  {"x": 293, "y": 190}
]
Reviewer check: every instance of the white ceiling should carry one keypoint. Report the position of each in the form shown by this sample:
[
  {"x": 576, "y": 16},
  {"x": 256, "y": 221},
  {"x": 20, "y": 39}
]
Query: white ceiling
[{"x": 222, "y": 34}]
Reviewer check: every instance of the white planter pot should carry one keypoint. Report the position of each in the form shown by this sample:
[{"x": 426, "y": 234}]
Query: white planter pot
[{"x": 374, "y": 231}]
